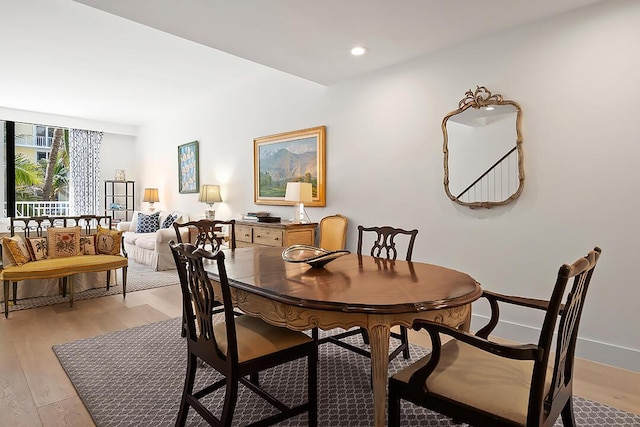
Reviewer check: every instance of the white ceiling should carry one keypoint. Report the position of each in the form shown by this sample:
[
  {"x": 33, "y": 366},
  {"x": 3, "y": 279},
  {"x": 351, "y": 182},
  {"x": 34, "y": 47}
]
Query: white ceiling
[{"x": 64, "y": 57}]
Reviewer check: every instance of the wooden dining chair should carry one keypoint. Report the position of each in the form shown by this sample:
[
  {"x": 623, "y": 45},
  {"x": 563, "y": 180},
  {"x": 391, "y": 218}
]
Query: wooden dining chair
[
  {"x": 239, "y": 348},
  {"x": 207, "y": 236},
  {"x": 208, "y": 230},
  {"x": 333, "y": 232},
  {"x": 384, "y": 246},
  {"x": 474, "y": 380}
]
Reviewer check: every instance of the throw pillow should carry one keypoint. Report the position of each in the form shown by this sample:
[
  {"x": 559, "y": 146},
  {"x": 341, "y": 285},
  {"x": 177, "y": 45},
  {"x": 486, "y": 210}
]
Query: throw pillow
[
  {"x": 168, "y": 221},
  {"x": 88, "y": 244},
  {"x": 17, "y": 249},
  {"x": 108, "y": 241},
  {"x": 148, "y": 223},
  {"x": 63, "y": 241},
  {"x": 37, "y": 248}
]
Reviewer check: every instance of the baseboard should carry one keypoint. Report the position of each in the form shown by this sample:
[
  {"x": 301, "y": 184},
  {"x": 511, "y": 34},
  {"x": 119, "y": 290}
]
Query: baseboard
[{"x": 595, "y": 351}]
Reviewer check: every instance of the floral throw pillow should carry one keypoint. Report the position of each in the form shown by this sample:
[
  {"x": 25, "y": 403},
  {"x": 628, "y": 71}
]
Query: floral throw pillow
[
  {"x": 37, "y": 248},
  {"x": 108, "y": 241},
  {"x": 17, "y": 248},
  {"x": 88, "y": 244},
  {"x": 148, "y": 223},
  {"x": 63, "y": 241},
  {"x": 168, "y": 221}
]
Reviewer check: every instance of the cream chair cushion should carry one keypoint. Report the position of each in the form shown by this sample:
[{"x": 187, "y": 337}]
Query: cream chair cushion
[
  {"x": 257, "y": 338},
  {"x": 462, "y": 375}
]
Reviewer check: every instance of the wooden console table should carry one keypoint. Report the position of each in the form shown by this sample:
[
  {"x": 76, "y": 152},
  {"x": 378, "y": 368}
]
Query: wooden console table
[{"x": 280, "y": 234}]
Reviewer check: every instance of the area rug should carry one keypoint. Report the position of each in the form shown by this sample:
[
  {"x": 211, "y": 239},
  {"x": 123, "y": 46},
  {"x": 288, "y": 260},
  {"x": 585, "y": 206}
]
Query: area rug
[
  {"x": 139, "y": 277},
  {"x": 134, "y": 377}
]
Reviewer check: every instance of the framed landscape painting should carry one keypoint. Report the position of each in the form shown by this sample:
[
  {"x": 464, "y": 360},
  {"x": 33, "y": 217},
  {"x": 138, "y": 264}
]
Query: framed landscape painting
[
  {"x": 188, "y": 176},
  {"x": 296, "y": 156}
]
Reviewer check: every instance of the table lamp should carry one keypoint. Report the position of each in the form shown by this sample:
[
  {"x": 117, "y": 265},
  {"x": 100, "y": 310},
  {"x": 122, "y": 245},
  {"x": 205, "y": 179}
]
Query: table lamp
[
  {"x": 151, "y": 196},
  {"x": 300, "y": 193},
  {"x": 209, "y": 194}
]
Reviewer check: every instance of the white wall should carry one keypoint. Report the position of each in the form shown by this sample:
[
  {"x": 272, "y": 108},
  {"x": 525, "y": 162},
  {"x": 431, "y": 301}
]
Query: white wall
[
  {"x": 576, "y": 79},
  {"x": 225, "y": 129}
]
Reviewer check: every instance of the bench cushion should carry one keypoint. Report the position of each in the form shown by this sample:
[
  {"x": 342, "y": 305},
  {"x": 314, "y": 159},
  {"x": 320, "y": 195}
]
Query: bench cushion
[{"x": 61, "y": 267}]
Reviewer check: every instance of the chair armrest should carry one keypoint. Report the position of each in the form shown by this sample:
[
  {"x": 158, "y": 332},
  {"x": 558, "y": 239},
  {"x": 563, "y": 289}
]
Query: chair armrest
[
  {"x": 164, "y": 235},
  {"x": 124, "y": 226},
  {"x": 511, "y": 351},
  {"x": 494, "y": 298},
  {"x": 524, "y": 302}
]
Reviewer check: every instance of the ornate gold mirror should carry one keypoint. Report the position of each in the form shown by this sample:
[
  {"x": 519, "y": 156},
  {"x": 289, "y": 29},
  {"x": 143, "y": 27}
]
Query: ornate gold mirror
[{"x": 483, "y": 164}]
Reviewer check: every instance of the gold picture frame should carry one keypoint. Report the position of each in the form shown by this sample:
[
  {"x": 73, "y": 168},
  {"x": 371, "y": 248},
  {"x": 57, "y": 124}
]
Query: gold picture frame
[{"x": 289, "y": 157}]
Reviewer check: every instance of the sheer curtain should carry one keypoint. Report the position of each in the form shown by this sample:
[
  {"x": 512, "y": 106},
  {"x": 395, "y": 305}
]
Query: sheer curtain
[{"x": 84, "y": 171}]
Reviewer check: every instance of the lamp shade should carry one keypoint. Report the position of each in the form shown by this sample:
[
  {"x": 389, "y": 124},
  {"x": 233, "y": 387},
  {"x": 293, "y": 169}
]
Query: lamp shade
[
  {"x": 209, "y": 194},
  {"x": 298, "y": 192},
  {"x": 150, "y": 195}
]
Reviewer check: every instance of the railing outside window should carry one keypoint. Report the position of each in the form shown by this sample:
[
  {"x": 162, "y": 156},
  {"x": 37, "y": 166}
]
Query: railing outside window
[
  {"x": 33, "y": 141},
  {"x": 42, "y": 208}
]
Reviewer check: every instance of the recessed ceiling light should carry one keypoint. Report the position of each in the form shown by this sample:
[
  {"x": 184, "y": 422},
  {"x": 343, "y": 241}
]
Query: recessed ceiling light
[{"x": 358, "y": 51}]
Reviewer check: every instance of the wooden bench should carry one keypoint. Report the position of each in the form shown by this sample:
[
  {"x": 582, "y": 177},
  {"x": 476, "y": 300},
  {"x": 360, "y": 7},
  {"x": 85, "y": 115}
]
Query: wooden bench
[{"x": 63, "y": 268}]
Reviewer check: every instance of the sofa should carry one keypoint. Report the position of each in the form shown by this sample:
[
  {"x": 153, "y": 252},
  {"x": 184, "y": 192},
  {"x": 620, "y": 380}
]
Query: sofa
[
  {"x": 146, "y": 237},
  {"x": 44, "y": 254}
]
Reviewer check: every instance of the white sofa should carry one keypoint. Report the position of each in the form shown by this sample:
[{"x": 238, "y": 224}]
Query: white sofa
[{"x": 152, "y": 249}]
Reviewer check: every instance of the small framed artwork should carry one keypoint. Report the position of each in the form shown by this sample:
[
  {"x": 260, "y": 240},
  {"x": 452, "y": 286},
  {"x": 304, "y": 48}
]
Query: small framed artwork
[
  {"x": 297, "y": 156},
  {"x": 188, "y": 175}
]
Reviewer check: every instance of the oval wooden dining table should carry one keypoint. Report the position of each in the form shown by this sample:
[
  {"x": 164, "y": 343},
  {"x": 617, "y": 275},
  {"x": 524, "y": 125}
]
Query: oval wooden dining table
[{"x": 350, "y": 291}]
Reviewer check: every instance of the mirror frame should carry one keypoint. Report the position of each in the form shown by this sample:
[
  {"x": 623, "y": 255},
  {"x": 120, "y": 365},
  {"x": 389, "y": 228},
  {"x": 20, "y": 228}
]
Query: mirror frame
[{"x": 480, "y": 98}]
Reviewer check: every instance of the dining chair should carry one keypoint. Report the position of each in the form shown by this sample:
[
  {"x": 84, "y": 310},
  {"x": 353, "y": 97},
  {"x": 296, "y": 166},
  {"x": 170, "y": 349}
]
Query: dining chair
[
  {"x": 207, "y": 237},
  {"x": 333, "y": 232},
  {"x": 239, "y": 347},
  {"x": 384, "y": 246},
  {"x": 475, "y": 380},
  {"x": 207, "y": 230}
]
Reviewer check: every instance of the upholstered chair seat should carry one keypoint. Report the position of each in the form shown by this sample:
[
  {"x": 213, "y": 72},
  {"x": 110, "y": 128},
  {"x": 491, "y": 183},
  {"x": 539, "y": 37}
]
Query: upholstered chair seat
[
  {"x": 257, "y": 338},
  {"x": 462, "y": 376}
]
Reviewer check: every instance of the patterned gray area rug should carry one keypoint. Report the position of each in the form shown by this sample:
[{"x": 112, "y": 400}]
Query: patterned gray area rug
[
  {"x": 134, "y": 377},
  {"x": 139, "y": 277}
]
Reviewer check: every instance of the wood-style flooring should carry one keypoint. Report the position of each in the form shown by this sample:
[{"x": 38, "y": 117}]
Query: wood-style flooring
[{"x": 35, "y": 391}]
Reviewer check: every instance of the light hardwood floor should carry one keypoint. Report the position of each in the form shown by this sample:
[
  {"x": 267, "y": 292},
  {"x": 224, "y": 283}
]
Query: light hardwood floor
[{"x": 35, "y": 391}]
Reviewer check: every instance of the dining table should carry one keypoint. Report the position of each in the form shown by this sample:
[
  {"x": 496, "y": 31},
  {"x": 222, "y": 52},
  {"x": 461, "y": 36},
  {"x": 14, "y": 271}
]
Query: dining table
[{"x": 350, "y": 291}]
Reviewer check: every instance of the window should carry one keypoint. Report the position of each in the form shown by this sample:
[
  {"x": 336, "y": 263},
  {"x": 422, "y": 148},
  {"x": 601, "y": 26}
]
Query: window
[{"x": 28, "y": 191}]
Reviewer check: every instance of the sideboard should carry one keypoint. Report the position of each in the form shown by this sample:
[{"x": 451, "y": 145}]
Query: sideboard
[{"x": 282, "y": 234}]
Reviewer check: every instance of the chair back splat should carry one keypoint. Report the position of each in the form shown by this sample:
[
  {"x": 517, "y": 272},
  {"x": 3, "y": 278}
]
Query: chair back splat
[
  {"x": 209, "y": 232},
  {"x": 384, "y": 245},
  {"x": 475, "y": 380},
  {"x": 238, "y": 347}
]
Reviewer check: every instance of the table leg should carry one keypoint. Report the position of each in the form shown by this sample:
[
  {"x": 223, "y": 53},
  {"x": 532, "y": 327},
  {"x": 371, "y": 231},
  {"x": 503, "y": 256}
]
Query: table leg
[{"x": 379, "y": 340}]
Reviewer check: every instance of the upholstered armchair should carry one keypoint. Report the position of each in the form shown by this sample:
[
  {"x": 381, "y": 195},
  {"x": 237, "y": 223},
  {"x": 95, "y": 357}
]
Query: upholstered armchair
[{"x": 146, "y": 238}]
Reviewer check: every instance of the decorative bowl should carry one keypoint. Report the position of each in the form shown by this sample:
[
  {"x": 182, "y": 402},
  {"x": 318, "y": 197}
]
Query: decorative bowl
[{"x": 315, "y": 257}]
